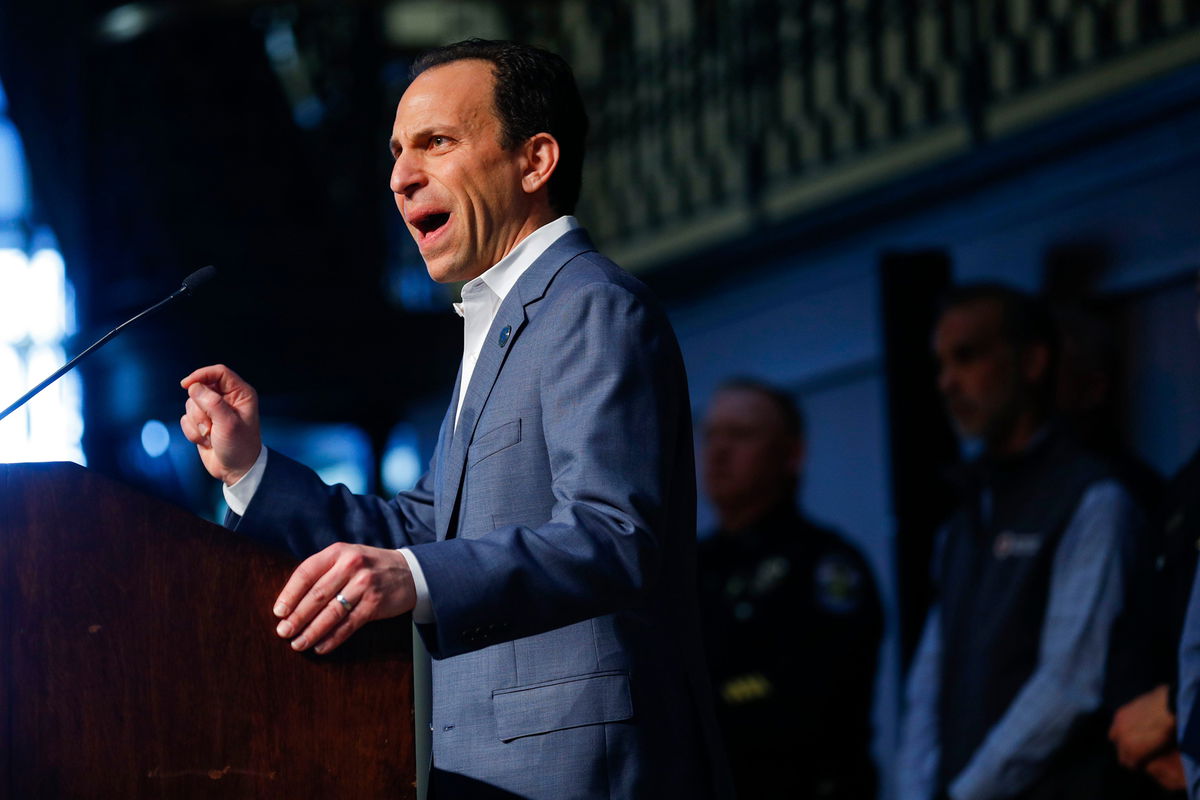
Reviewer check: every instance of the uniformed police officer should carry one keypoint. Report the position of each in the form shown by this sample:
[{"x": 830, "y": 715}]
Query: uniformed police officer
[{"x": 791, "y": 613}]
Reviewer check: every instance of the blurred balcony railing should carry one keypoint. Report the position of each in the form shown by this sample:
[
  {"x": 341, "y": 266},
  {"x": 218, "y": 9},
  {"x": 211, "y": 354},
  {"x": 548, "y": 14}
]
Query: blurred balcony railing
[{"x": 713, "y": 117}]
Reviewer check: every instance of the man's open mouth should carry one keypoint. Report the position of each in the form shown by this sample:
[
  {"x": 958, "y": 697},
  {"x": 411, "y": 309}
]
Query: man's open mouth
[{"x": 430, "y": 223}]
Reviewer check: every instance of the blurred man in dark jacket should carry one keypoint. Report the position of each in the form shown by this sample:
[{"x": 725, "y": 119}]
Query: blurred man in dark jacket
[
  {"x": 791, "y": 612},
  {"x": 1008, "y": 691}
]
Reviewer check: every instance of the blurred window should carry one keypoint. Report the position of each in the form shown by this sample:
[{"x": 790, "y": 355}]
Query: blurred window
[
  {"x": 339, "y": 453},
  {"x": 37, "y": 315},
  {"x": 402, "y": 461}
]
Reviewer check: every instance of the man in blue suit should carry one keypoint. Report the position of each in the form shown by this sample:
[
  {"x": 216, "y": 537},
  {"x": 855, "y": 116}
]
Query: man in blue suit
[{"x": 547, "y": 555}]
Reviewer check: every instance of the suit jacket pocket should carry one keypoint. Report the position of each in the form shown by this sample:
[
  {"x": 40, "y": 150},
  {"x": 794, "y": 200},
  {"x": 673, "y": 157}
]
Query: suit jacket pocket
[
  {"x": 557, "y": 705},
  {"x": 494, "y": 441}
]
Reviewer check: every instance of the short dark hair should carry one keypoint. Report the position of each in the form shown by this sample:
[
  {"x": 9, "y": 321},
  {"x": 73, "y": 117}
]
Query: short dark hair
[
  {"x": 535, "y": 93},
  {"x": 1025, "y": 319},
  {"x": 789, "y": 409}
]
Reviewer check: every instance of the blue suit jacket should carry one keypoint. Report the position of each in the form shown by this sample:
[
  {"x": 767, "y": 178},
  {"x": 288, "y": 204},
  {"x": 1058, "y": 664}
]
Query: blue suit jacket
[{"x": 556, "y": 531}]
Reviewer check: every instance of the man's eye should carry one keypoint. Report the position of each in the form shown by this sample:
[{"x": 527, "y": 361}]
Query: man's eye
[{"x": 437, "y": 141}]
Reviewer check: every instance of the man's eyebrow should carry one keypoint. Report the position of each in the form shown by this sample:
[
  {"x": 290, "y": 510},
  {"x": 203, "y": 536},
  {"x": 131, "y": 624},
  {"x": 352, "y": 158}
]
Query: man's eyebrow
[
  {"x": 430, "y": 130},
  {"x": 422, "y": 134}
]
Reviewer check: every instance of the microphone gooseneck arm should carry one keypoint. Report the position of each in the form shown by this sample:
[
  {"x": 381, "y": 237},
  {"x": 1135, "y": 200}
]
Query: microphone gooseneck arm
[{"x": 190, "y": 284}]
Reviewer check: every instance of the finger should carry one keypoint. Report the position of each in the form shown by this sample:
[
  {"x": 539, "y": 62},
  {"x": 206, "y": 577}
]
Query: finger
[
  {"x": 298, "y": 585},
  {"x": 325, "y": 626},
  {"x": 342, "y": 630},
  {"x": 192, "y": 433},
  {"x": 337, "y": 622},
  {"x": 318, "y": 609},
  {"x": 201, "y": 421},
  {"x": 212, "y": 404},
  {"x": 312, "y": 585},
  {"x": 219, "y": 376}
]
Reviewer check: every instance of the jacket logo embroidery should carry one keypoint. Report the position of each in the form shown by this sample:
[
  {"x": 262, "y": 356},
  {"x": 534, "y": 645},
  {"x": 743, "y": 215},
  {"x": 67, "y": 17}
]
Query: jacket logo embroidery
[{"x": 1016, "y": 545}]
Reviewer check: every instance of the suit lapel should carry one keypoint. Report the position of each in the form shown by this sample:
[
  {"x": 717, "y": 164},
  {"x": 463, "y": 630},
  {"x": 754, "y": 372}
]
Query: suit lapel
[
  {"x": 528, "y": 289},
  {"x": 441, "y": 509}
]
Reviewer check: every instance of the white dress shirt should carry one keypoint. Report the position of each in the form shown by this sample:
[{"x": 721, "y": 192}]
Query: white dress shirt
[{"x": 481, "y": 300}]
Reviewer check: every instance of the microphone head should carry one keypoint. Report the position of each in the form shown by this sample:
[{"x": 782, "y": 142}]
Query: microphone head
[{"x": 198, "y": 278}]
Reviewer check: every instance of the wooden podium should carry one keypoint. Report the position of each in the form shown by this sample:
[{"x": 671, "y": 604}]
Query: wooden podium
[{"x": 139, "y": 659}]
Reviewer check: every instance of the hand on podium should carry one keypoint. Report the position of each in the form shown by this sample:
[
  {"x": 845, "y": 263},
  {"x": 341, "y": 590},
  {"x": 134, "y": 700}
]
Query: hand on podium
[
  {"x": 335, "y": 592},
  {"x": 222, "y": 421},
  {"x": 331, "y": 594}
]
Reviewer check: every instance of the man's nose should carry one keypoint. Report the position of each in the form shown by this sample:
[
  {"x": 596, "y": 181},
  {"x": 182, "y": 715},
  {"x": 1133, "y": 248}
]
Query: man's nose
[{"x": 407, "y": 176}]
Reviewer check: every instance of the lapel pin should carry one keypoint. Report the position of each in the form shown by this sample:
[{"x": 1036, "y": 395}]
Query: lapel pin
[{"x": 504, "y": 335}]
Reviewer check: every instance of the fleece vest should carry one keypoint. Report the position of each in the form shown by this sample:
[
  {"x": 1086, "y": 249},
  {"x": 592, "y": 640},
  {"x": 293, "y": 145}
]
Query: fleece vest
[{"x": 995, "y": 570}]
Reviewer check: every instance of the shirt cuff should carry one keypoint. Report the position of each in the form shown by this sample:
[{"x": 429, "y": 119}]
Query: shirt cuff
[
  {"x": 239, "y": 495},
  {"x": 422, "y": 611}
]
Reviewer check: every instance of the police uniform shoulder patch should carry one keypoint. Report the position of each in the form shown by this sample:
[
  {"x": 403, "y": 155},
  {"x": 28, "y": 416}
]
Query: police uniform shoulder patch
[{"x": 838, "y": 584}]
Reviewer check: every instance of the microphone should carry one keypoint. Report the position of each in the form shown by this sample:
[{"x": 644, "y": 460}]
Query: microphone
[
  {"x": 190, "y": 284},
  {"x": 194, "y": 281}
]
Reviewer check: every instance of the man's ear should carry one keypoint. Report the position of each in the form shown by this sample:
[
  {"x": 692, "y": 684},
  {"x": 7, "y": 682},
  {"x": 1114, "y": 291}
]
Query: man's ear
[{"x": 541, "y": 159}]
